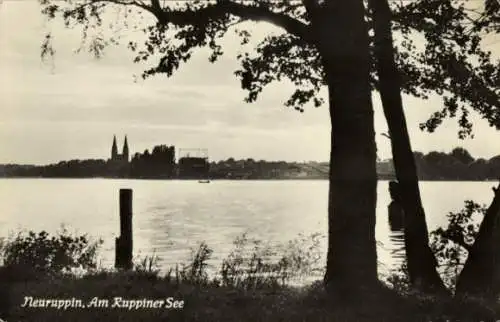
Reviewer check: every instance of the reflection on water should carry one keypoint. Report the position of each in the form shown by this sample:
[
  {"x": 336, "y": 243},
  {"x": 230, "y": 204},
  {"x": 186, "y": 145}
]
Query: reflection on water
[
  {"x": 396, "y": 223},
  {"x": 396, "y": 235}
]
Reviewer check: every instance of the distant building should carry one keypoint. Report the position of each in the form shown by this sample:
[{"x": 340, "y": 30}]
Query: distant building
[
  {"x": 119, "y": 158},
  {"x": 193, "y": 168},
  {"x": 118, "y": 164},
  {"x": 193, "y": 163}
]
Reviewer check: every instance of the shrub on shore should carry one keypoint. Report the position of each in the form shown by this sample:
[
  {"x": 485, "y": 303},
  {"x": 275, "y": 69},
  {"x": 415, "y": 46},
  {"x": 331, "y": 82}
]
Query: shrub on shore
[{"x": 43, "y": 254}]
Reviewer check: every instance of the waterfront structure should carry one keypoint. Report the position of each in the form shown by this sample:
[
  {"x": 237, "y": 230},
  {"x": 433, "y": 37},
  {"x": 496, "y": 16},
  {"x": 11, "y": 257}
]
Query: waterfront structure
[
  {"x": 193, "y": 164},
  {"x": 193, "y": 168}
]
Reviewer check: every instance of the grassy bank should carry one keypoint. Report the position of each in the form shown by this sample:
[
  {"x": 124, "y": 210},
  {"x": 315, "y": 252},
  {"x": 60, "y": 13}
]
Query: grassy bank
[
  {"x": 212, "y": 303},
  {"x": 248, "y": 287}
]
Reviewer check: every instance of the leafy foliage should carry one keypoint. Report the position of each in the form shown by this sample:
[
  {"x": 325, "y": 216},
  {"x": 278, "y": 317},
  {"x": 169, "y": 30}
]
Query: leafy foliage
[
  {"x": 160, "y": 163},
  {"x": 451, "y": 245},
  {"x": 490, "y": 18},
  {"x": 451, "y": 63},
  {"x": 457, "y": 165},
  {"x": 42, "y": 253},
  {"x": 448, "y": 61},
  {"x": 462, "y": 155},
  {"x": 399, "y": 280}
]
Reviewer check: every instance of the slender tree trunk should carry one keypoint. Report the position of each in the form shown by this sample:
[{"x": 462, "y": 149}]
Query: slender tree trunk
[
  {"x": 343, "y": 43},
  {"x": 421, "y": 260},
  {"x": 480, "y": 272}
]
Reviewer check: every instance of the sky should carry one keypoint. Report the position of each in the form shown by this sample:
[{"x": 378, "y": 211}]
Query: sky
[{"x": 70, "y": 107}]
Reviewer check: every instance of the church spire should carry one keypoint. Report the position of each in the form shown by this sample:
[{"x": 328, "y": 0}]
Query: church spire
[
  {"x": 125, "y": 148},
  {"x": 114, "y": 149}
]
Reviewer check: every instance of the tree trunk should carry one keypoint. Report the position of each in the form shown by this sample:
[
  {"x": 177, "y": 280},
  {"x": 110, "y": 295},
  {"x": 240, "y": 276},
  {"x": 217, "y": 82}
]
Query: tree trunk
[
  {"x": 480, "y": 273},
  {"x": 343, "y": 43},
  {"x": 421, "y": 260}
]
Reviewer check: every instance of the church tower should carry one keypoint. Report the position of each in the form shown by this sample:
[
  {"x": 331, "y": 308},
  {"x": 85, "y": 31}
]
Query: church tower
[
  {"x": 114, "y": 149},
  {"x": 125, "y": 150}
]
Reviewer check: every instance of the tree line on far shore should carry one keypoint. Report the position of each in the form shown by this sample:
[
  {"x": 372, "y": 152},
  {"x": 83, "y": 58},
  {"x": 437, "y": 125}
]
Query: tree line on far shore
[{"x": 458, "y": 164}]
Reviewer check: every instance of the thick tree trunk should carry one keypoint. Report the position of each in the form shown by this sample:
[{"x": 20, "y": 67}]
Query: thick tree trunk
[
  {"x": 343, "y": 43},
  {"x": 479, "y": 277},
  {"x": 421, "y": 260}
]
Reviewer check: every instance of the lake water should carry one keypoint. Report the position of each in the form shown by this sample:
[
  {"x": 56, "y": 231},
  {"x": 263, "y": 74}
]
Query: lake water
[{"x": 172, "y": 217}]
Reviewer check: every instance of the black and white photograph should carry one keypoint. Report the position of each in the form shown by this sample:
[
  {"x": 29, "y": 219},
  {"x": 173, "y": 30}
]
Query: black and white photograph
[{"x": 250, "y": 160}]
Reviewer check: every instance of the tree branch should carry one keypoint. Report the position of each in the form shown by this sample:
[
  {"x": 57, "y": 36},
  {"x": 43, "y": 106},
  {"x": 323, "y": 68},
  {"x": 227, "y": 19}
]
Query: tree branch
[
  {"x": 311, "y": 8},
  {"x": 82, "y": 6},
  {"x": 465, "y": 74},
  {"x": 222, "y": 8},
  {"x": 457, "y": 239},
  {"x": 155, "y": 4},
  {"x": 134, "y": 3}
]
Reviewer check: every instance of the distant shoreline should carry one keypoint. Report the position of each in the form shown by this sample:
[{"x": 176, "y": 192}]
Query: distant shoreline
[{"x": 457, "y": 165}]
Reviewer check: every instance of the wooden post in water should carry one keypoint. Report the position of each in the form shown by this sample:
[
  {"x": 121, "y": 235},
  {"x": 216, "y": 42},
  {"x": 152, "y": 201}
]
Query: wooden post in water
[{"x": 123, "y": 244}]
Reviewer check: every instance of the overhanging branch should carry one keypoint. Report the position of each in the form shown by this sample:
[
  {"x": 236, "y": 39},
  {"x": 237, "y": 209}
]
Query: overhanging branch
[
  {"x": 187, "y": 17},
  {"x": 133, "y": 3}
]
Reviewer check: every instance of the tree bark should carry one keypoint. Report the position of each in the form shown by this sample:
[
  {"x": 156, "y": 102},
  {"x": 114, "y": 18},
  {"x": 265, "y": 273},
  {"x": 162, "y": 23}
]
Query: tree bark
[
  {"x": 343, "y": 43},
  {"x": 421, "y": 260},
  {"x": 480, "y": 273}
]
